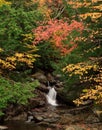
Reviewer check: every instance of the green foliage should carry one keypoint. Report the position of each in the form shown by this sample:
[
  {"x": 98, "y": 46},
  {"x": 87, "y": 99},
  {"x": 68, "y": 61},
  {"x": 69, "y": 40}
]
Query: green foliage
[
  {"x": 15, "y": 92},
  {"x": 14, "y": 23},
  {"x": 48, "y": 56}
]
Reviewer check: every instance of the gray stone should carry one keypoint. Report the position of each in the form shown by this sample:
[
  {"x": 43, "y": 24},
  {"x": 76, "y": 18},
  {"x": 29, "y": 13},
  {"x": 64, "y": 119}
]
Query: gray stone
[
  {"x": 50, "y": 77},
  {"x": 74, "y": 127},
  {"x": 3, "y": 127},
  {"x": 92, "y": 119},
  {"x": 98, "y": 111},
  {"x": 51, "y": 120},
  {"x": 38, "y": 117},
  {"x": 40, "y": 76}
]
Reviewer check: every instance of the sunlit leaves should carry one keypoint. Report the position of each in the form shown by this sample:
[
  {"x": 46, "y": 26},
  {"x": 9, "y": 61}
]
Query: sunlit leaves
[
  {"x": 4, "y": 2},
  {"x": 94, "y": 15},
  {"x": 19, "y": 59},
  {"x": 91, "y": 73}
]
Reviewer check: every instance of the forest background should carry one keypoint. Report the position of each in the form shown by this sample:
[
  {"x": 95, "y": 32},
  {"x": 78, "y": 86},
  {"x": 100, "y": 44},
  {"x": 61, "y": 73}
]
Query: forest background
[{"x": 57, "y": 36}]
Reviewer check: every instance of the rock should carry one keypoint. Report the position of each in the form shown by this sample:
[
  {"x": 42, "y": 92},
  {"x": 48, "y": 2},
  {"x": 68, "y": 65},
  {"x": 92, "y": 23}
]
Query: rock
[
  {"x": 40, "y": 76},
  {"x": 44, "y": 123},
  {"x": 38, "y": 101},
  {"x": 33, "y": 102},
  {"x": 75, "y": 127},
  {"x": 41, "y": 103},
  {"x": 38, "y": 118},
  {"x": 66, "y": 119},
  {"x": 3, "y": 127},
  {"x": 97, "y": 110},
  {"x": 57, "y": 76},
  {"x": 20, "y": 117},
  {"x": 50, "y": 78},
  {"x": 51, "y": 120},
  {"x": 99, "y": 114},
  {"x": 92, "y": 119},
  {"x": 94, "y": 129},
  {"x": 70, "y": 95},
  {"x": 43, "y": 88},
  {"x": 30, "y": 118}
]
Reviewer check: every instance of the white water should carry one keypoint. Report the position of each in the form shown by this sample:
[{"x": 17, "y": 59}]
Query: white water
[{"x": 51, "y": 96}]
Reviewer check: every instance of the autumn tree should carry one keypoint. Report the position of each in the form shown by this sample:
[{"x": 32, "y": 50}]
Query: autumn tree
[{"x": 87, "y": 69}]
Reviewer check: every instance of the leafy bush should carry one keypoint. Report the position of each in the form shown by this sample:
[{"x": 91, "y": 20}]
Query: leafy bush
[{"x": 15, "y": 92}]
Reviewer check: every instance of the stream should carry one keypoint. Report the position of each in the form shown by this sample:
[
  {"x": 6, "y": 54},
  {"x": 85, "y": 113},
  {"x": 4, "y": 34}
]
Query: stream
[
  {"x": 59, "y": 118},
  {"x": 54, "y": 116}
]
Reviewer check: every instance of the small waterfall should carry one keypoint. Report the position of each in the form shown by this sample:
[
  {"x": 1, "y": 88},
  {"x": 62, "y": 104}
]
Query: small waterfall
[{"x": 51, "y": 96}]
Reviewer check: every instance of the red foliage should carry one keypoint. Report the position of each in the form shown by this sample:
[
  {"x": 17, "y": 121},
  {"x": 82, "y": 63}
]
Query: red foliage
[{"x": 57, "y": 31}]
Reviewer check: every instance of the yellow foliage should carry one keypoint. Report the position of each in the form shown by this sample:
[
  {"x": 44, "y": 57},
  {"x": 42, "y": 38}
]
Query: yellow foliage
[
  {"x": 1, "y": 49},
  {"x": 89, "y": 4},
  {"x": 93, "y": 15},
  {"x": 94, "y": 92},
  {"x": 25, "y": 58},
  {"x": 6, "y": 65},
  {"x": 27, "y": 37},
  {"x": 79, "y": 68},
  {"x": 4, "y": 2},
  {"x": 84, "y": 3},
  {"x": 19, "y": 59}
]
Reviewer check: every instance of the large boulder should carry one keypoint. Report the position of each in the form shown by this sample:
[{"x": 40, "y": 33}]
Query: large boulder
[
  {"x": 67, "y": 96},
  {"x": 40, "y": 76},
  {"x": 97, "y": 109}
]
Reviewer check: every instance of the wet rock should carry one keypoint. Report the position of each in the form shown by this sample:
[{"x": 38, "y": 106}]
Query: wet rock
[
  {"x": 66, "y": 119},
  {"x": 98, "y": 111},
  {"x": 51, "y": 120},
  {"x": 68, "y": 96},
  {"x": 59, "y": 84},
  {"x": 99, "y": 114},
  {"x": 22, "y": 117},
  {"x": 94, "y": 129},
  {"x": 50, "y": 78},
  {"x": 92, "y": 119},
  {"x": 57, "y": 76},
  {"x": 33, "y": 102},
  {"x": 40, "y": 76},
  {"x": 38, "y": 101},
  {"x": 30, "y": 119},
  {"x": 43, "y": 88},
  {"x": 3, "y": 127},
  {"x": 38, "y": 118},
  {"x": 75, "y": 127},
  {"x": 44, "y": 123}
]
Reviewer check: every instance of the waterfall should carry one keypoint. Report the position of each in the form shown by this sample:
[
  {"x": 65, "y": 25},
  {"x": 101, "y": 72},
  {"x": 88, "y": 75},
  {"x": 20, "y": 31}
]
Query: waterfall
[{"x": 51, "y": 96}]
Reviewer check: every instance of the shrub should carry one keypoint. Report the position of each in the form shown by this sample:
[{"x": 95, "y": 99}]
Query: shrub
[{"x": 15, "y": 92}]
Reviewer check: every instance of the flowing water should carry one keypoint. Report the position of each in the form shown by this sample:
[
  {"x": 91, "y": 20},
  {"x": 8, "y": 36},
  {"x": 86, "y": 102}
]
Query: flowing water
[{"x": 51, "y": 96}]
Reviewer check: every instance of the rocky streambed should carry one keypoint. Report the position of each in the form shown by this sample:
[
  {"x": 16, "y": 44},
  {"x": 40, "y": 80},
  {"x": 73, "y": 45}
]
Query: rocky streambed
[
  {"x": 65, "y": 116},
  {"x": 56, "y": 118}
]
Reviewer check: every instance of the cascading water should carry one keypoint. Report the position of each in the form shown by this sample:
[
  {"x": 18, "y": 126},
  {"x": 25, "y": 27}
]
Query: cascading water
[{"x": 51, "y": 96}]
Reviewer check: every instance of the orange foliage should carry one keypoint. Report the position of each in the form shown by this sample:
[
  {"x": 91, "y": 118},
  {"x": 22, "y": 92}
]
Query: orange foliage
[{"x": 56, "y": 31}]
